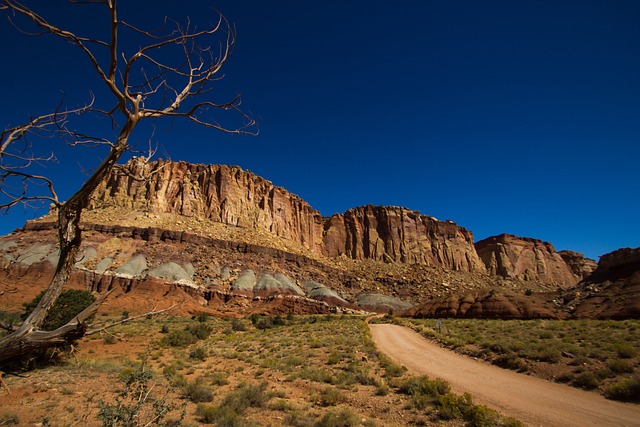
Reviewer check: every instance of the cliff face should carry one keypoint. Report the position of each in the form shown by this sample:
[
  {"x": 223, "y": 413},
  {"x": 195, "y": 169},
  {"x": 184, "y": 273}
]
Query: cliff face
[
  {"x": 390, "y": 233},
  {"x": 526, "y": 259},
  {"x": 225, "y": 194},
  {"x": 580, "y": 266},
  {"x": 236, "y": 197}
]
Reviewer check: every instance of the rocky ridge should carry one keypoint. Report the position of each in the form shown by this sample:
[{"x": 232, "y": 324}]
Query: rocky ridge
[{"x": 200, "y": 232}]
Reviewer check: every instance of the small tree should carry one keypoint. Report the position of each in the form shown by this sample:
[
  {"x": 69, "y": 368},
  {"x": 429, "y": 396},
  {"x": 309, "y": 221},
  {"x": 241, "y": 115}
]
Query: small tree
[{"x": 168, "y": 75}]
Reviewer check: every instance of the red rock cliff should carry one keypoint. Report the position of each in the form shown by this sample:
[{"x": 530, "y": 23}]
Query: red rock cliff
[
  {"x": 526, "y": 259},
  {"x": 390, "y": 233},
  {"x": 224, "y": 194}
]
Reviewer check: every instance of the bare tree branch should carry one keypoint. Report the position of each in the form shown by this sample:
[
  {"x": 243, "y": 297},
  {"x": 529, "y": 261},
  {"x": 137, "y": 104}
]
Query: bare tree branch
[{"x": 168, "y": 76}]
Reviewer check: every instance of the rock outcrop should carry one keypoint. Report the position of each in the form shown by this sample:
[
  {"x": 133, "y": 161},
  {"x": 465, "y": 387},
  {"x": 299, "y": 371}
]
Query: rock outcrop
[
  {"x": 225, "y": 194},
  {"x": 525, "y": 259},
  {"x": 396, "y": 234},
  {"x": 612, "y": 291},
  {"x": 489, "y": 305},
  {"x": 580, "y": 266}
]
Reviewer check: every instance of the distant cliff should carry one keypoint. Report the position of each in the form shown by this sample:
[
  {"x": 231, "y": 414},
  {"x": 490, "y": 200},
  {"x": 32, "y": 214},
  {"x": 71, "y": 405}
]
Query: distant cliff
[
  {"x": 396, "y": 234},
  {"x": 531, "y": 260},
  {"x": 232, "y": 196}
]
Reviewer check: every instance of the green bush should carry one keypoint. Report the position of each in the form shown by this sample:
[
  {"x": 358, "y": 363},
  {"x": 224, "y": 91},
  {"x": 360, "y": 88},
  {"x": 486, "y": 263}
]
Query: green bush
[
  {"x": 587, "y": 381},
  {"x": 180, "y": 338},
  {"x": 330, "y": 397},
  {"x": 341, "y": 418},
  {"x": 198, "y": 393},
  {"x": 626, "y": 351},
  {"x": 198, "y": 353},
  {"x": 627, "y": 390},
  {"x": 238, "y": 325},
  {"x": 620, "y": 367},
  {"x": 199, "y": 330},
  {"x": 69, "y": 304},
  {"x": 247, "y": 396}
]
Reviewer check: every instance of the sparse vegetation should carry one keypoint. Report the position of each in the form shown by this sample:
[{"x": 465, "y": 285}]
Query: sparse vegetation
[
  {"x": 306, "y": 371},
  {"x": 588, "y": 354}
]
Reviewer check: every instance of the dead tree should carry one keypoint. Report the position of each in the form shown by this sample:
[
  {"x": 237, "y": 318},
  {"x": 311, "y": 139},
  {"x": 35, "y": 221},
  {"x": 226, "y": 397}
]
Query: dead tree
[{"x": 169, "y": 75}]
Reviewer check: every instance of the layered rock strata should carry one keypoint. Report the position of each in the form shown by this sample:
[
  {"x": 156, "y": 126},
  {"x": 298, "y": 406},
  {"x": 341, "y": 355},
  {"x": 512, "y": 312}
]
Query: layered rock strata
[
  {"x": 396, "y": 234},
  {"x": 225, "y": 194},
  {"x": 239, "y": 198},
  {"x": 525, "y": 259}
]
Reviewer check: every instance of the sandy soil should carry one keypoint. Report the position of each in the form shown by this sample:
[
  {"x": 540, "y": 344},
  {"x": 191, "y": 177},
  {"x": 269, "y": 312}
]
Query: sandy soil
[{"x": 534, "y": 401}]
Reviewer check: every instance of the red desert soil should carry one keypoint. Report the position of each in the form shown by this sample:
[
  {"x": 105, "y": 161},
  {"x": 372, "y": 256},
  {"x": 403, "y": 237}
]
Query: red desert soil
[{"x": 534, "y": 401}]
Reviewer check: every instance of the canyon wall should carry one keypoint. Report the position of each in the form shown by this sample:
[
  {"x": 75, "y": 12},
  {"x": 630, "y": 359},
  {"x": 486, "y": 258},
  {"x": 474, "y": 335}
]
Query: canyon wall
[{"x": 396, "y": 234}]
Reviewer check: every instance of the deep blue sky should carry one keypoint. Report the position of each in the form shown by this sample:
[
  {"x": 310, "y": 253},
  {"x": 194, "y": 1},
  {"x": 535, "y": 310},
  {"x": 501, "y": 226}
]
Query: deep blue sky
[{"x": 518, "y": 117}]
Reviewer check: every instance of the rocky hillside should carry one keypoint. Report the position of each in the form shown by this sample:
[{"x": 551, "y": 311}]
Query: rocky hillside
[{"x": 221, "y": 239}]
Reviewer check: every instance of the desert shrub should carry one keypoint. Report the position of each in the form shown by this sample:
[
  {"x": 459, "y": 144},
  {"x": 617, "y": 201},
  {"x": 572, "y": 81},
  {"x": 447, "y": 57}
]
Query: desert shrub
[
  {"x": 339, "y": 418},
  {"x": 181, "y": 338},
  {"x": 620, "y": 366},
  {"x": 627, "y": 390},
  {"x": 238, "y": 325},
  {"x": 586, "y": 380},
  {"x": 391, "y": 368},
  {"x": 135, "y": 404},
  {"x": 264, "y": 323},
  {"x": 164, "y": 329},
  {"x": 424, "y": 386},
  {"x": 202, "y": 317},
  {"x": 510, "y": 361},
  {"x": 247, "y": 396},
  {"x": 330, "y": 397},
  {"x": 198, "y": 393},
  {"x": 199, "y": 330},
  {"x": 626, "y": 351},
  {"x": 198, "y": 353},
  {"x": 221, "y": 416},
  {"x": 67, "y": 306},
  {"x": 218, "y": 378},
  {"x": 382, "y": 388}
]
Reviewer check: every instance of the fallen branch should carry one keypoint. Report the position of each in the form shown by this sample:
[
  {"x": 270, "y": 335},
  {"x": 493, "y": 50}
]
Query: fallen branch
[{"x": 129, "y": 319}]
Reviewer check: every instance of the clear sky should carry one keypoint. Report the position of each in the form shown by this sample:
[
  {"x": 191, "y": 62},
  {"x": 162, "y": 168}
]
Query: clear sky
[{"x": 518, "y": 117}]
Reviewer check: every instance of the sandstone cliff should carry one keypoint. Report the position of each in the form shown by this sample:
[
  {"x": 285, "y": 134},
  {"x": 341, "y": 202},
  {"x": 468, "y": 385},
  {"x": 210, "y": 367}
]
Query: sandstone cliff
[
  {"x": 525, "y": 259},
  {"x": 225, "y": 194},
  {"x": 397, "y": 234},
  {"x": 580, "y": 266},
  {"x": 232, "y": 196}
]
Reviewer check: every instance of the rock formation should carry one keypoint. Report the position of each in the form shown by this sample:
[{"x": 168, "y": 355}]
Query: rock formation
[
  {"x": 612, "y": 291},
  {"x": 397, "y": 234},
  {"x": 225, "y": 194},
  {"x": 488, "y": 305},
  {"x": 580, "y": 266},
  {"x": 239, "y": 198},
  {"x": 525, "y": 259}
]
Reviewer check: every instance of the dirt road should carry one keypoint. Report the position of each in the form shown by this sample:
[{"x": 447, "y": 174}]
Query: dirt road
[{"x": 534, "y": 401}]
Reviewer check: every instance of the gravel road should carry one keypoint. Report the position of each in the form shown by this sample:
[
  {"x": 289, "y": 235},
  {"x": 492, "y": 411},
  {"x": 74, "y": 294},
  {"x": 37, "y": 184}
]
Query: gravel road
[{"x": 534, "y": 401}]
